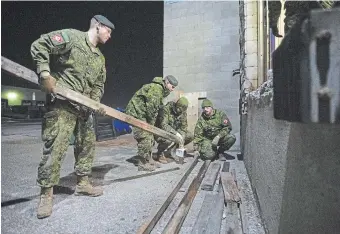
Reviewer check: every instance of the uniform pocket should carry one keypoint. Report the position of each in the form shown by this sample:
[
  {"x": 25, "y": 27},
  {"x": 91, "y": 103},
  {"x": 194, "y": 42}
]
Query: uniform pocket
[{"x": 50, "y": 128}]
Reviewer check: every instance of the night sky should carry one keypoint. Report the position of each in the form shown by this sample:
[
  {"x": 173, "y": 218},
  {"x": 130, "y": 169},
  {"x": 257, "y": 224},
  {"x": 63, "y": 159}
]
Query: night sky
[{"x": 134, "y": 54}]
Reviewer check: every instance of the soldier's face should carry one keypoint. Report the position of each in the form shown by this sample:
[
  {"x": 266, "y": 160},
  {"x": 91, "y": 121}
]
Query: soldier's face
[
  {"x": 208, "y": 110},
  {"x": 104, "y": 34},
  {"x": 169, "y": 86},
  {"x": 180, "y": 109}
]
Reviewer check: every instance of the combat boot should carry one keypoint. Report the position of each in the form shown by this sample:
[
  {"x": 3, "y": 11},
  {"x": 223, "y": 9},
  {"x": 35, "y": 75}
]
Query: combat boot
[
  {"x": 161, "y": 158},
  {"x": 84, "y": 188},
  {"x": 143, "y": 165},
  {"x": 45, "y": 203},
  {"x": 153, "y": 162},
  {"x": 219, "y": 154}
]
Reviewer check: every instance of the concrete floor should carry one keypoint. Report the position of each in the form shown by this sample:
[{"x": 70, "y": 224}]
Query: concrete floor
[{"x": 122, "y": 209}]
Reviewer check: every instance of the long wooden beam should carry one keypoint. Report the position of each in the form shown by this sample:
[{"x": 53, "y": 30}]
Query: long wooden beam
[
  {"x": 175, "y": 223},
  {"x": 148, "y": 226},
  {"x": 25, "y": 73}
]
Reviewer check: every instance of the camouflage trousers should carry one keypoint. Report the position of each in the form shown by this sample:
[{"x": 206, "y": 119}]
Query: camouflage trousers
[
  {"x": 59, "y": 123},
  {"x": 163, "y": 144},
  {"x": 145, "y": 142},
  {"x": 206, "y": 150}
]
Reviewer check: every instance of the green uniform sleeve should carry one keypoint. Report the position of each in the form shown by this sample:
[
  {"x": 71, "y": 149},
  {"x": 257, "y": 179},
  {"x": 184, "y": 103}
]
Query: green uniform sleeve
[
  {"x": 153, "y": 101},
  {"x": 98, "y": 88},
  {"x": 198, "y": 133},
  {"x": 274, "y": 12},
  {"x": 226, "y": 125},
  {"x": 57, "y": 42},
  {"x": 164, "y": 119},
  {"x": 183, "y": 124}
]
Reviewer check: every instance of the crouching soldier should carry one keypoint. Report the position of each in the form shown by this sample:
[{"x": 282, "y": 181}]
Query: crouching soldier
[
  {"x": 212, "y": 133},
  {"x": 172, "y": 118},
  {"x": 144, "y": 105}
]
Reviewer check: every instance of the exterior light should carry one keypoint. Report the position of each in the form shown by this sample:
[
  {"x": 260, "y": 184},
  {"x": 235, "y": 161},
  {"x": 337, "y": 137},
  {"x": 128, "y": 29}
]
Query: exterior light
[{"x": 12, "y": 96}]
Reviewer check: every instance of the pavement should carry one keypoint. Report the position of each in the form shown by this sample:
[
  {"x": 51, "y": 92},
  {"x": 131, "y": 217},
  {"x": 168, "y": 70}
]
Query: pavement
[{"x": 123, "y": 208}]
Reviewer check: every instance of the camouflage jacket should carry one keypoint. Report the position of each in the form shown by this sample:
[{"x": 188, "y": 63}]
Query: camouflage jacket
[
  {"x": 209, "y": 127},
  {"x": 70, "y": 58},
  {"x": 170, "y": 121},
  {"x": 145, "y": 103}
]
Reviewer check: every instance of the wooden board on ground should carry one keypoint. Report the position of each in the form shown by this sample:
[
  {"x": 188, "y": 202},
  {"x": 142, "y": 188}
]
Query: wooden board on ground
[
  {"x": 216, "y": 215},
  {"x": 201, "y": 223},
  {"x": 210, "y": 178},
  {"x": 231, "y": 193},
  {"x": 233, "y": 220}
]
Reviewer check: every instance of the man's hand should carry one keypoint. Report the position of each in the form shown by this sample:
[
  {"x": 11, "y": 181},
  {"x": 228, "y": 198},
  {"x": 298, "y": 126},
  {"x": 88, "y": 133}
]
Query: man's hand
[
  {"x": 48, "y": 82},
  {"x": 215, "y": 142},
  {"x": 275, "y": 31},
  {"x": 100, "y": 111}
]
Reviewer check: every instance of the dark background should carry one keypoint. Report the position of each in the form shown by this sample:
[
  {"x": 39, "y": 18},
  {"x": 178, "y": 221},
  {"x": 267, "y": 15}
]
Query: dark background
[{"x": 134, "y": 54}]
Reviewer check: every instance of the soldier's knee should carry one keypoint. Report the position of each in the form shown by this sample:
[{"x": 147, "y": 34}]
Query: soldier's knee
[
  {"x": 207, "y": 154},
  {"x": 189, "y": 137},
  {"x": 206, "y": 150},
  {"x": 232, "y": 139}
]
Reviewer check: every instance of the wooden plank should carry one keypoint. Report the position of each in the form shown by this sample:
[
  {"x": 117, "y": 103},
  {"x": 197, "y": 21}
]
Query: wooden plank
[
  {"x": 216, "y": 215},
  {"x": 20, "y": 71},
  {"x": 233, "y": 220},
  {"x": 109, "y": 181},
  {"x": 192, "y": 112},
  {"x": 226, "y": 166},
  {"x": 202, "y": 220},
  {"x": 175, "y": 223},
  {"x": 152, "y": 221},
  {"x": 210, "y": 178},
  {"x": 233, "y": 215},
  {"x": 230, "y": 189},
  {"x": 17, "y": 70}
]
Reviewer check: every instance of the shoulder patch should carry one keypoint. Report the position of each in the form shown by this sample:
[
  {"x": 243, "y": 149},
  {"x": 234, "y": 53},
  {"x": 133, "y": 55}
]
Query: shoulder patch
[
  {"x": 225, "y": 121},
  {"x": 59, "y": 38}
]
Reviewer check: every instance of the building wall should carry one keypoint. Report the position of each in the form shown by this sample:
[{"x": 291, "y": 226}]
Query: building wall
[
  {"x": 294, "y": 169},
  {"x": 201, "y": 49},
  {"x": 22, "y": 94}
]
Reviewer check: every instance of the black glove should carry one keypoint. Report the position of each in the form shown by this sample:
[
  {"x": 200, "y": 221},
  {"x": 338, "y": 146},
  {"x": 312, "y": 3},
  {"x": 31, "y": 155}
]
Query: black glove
[
  {"x": 275, "y": 31},
  {"x": 100, "y": 111}
]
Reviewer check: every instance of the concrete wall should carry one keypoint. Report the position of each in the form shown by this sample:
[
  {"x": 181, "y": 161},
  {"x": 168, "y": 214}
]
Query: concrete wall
[
  {"x": 201, "y": 48},
  {"x": 294, "y": 170}
]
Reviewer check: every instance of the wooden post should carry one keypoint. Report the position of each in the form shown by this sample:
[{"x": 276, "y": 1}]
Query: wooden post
[{"x": 193, "y": 112}]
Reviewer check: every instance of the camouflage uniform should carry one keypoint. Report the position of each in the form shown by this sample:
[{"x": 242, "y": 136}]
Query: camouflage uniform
[
  {"x": 71, "y": 59},
  {"x": 294, "y": 11},
  {"x": 207, "y": 128},
  {"x": 173, "y": 118},
  {"x": 144, "y": 105}
]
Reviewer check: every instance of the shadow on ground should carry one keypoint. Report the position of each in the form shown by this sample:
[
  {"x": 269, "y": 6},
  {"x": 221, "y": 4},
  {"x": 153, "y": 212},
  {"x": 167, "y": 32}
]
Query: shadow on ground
[{"x": 67, "y": 184}]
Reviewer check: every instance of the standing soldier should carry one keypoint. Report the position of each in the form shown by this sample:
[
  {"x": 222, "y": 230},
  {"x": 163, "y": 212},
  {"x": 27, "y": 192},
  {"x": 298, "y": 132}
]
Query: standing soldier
[
  {"x": 173, "y": 118},
  {"x": 144, "y": 105},
  {"x": 295, "y": 11},
  {"x": 69, "y": 58},
  {"x": 212, "y": 130}
]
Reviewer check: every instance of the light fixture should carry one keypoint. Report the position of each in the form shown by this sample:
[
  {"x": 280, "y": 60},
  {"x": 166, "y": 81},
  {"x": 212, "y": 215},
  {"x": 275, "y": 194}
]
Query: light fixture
[{"x": 12, "y": 95}]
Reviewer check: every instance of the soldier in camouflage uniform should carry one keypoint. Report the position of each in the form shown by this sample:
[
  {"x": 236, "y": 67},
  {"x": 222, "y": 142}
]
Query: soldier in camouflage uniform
[
  {"x": 69, "y": 58},
  {"x": 173, "y": 118},
  {"x": 144, "y": 105},
  {"x": 212, "y": 133},
  {"x": 295, "y": 10}
]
